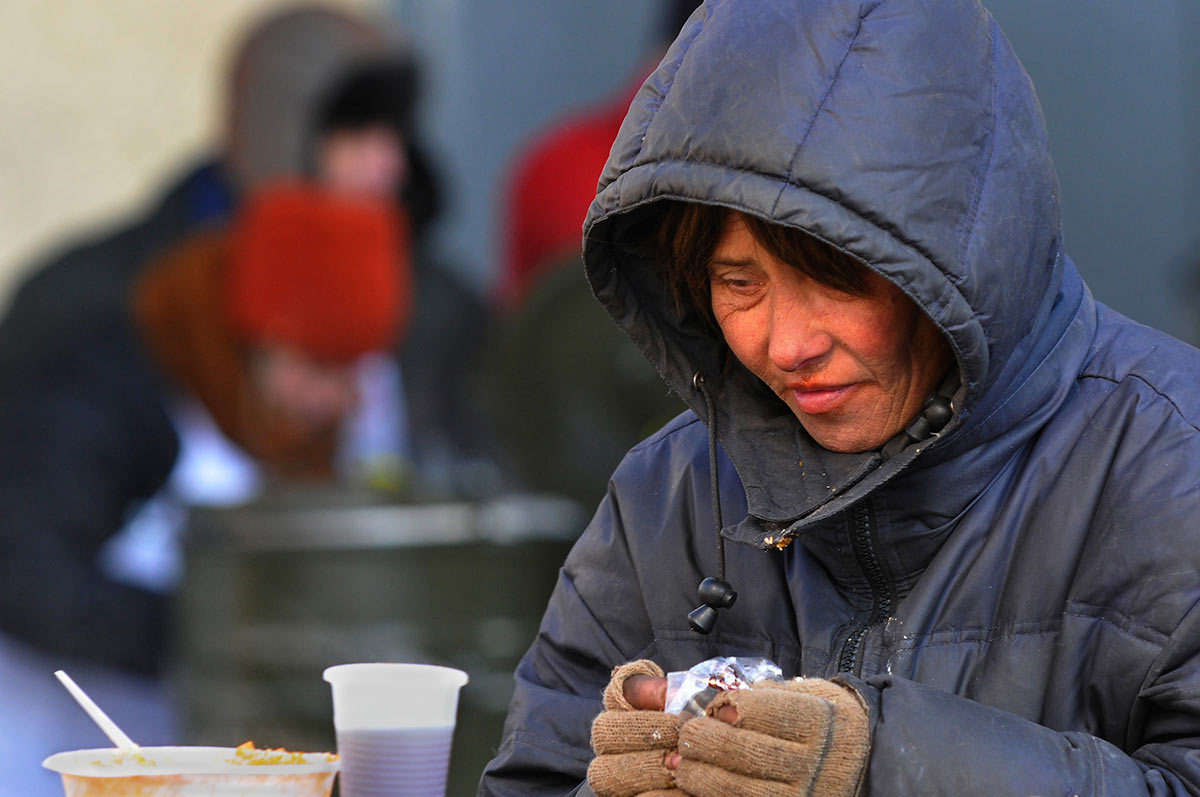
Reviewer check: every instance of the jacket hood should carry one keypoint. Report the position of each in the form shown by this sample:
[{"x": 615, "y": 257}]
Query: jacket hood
[
  {"x": 282, "y": 71},
  {"x": 905, "y": 133}
]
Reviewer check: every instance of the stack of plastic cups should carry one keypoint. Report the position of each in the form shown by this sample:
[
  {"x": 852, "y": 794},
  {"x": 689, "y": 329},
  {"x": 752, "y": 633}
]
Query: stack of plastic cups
[{"x": 394, "y": 725}]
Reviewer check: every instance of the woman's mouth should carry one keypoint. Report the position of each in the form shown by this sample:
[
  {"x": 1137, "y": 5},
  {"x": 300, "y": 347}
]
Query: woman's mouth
[{"x": 816, "y": 400}]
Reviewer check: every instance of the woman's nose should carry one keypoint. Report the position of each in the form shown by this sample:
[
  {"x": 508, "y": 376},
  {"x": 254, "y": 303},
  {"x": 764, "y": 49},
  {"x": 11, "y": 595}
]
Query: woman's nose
[{"x": 795, "y": 338}]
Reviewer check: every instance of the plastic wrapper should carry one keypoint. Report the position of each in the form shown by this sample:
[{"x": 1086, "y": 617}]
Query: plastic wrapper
[{"x": 689, "y": 692}]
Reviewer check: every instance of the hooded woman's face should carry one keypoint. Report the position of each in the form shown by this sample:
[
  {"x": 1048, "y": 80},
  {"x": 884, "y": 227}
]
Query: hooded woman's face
[{"x": 854, "y": 369}]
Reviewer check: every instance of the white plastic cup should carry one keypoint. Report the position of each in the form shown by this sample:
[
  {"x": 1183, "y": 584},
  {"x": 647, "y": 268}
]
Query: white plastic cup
[{"x": 394, "y": 723}]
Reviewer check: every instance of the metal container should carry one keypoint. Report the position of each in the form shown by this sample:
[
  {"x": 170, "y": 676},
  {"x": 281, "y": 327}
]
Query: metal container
[{"x": 275, "y": 592}]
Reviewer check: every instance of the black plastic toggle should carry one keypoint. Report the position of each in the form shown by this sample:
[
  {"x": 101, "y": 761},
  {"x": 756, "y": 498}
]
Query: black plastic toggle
[
  {"x": 937, "y": 412},
  {"x": 702, "y": 619},
  {"x": 716, "y": 594}
]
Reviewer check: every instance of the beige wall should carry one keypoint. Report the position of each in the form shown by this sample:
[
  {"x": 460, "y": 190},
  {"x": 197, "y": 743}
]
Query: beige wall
[{"x": 99, "y": 101}]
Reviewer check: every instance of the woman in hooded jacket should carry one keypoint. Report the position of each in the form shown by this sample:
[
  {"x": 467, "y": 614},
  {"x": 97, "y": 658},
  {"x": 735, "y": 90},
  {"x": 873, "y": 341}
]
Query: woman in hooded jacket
[{"x": 960, "y": 494}]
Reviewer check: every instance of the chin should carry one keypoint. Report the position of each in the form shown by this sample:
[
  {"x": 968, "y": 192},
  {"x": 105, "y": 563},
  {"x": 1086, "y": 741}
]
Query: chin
[
  {"x": 844, "y": 443},
  {"x": 847, "y": 448},
  {"x": 841, "y": 433}
]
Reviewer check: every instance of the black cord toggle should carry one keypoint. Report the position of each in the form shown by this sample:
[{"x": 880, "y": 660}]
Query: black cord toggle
[
  {"x": 716, "y": 594},
  {"x": 936, "y": 412}
]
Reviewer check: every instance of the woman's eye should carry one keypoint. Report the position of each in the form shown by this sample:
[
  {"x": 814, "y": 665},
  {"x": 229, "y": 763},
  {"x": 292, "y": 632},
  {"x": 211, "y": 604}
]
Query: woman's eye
[{"x": 737, "y": 283}]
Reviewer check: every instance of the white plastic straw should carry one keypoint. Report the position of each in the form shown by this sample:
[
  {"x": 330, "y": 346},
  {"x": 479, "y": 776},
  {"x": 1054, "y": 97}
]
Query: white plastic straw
[{"x": 123, "y": 742}]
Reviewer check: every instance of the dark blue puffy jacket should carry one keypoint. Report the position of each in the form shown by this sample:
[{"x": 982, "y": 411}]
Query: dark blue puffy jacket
[{"x": 1018, "y": 597}]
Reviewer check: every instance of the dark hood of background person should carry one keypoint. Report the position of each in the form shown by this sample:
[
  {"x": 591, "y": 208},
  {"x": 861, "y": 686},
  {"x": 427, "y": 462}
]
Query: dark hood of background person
[
  {"x": 382, "y": 93},
  {"x": 952, "y": 196},
  {"x": 319, "y": 273}
]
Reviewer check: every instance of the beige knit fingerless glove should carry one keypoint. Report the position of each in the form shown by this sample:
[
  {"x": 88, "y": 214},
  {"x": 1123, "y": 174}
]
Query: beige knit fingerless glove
[
  {"x": 630, "y": 744},
  {"x": 802, "y": 737}
]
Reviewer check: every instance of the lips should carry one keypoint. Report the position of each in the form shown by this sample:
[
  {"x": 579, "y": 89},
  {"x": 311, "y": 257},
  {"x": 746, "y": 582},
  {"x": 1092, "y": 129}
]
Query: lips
[{"x": 821, "y": 399}]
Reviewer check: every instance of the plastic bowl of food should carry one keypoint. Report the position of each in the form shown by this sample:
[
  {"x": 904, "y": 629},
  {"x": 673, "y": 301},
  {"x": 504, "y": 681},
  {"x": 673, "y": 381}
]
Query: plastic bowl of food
[{"x": 194, "y": 771}]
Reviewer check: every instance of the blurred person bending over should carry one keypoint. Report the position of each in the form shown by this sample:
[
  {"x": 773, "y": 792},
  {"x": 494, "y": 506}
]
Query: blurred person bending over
[
  {"x": 259, "y": 327},
  {"x": 245, "y": 338},
  {"x": 923, "y": 468}
]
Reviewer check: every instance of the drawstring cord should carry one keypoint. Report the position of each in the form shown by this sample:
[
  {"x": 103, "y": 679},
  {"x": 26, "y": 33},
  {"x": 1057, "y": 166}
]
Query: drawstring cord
[
  {"x": 713, "y": 485},
  {"x": 715, "y": 592}
]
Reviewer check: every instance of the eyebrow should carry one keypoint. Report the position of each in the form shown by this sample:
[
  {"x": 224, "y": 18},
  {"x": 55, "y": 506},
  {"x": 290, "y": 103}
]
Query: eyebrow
[{"x": 732, "y": 261}]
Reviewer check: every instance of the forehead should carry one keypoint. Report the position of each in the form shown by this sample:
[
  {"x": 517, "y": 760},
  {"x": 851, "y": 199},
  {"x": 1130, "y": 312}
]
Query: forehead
[
  {"x": 735, "y": 241},
  {"x": 737, "y": 246}
]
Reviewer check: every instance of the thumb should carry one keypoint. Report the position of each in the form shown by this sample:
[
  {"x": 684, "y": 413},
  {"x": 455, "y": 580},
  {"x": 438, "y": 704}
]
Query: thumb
[{"x": 646, "y": 692}]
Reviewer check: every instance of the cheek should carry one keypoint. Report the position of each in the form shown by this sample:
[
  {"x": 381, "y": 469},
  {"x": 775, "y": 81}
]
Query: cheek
[
  {"x": 890, "y": 347},
  {"x": 893, "y": 342},
  {"x": 744, "y": 335},
  {"x": 276, "y": 379}
]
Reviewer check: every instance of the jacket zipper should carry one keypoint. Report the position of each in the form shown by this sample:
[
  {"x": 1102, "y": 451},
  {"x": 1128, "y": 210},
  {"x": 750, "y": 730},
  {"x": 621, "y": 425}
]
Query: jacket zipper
[{"x": 862, "y": 540}]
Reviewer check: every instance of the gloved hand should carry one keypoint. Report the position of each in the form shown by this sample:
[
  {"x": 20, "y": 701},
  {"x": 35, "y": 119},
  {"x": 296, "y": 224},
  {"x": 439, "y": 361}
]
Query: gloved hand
[
  {"x": 631, "y": 743},
  {"x": 806, "y": 736}
]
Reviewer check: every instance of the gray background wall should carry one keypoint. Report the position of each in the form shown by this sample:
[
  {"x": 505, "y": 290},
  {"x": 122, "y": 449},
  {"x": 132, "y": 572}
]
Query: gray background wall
[{"x": 1120, "y": 87}]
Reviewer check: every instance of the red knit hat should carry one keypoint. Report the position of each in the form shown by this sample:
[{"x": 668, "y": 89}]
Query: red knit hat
[{"x": 324, "y": 272}]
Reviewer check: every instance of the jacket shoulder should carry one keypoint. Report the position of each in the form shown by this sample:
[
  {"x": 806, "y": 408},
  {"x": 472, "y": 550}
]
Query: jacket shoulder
[
  {"x": 1162, "y": 368},
  {"x": 676, "y": 443}
]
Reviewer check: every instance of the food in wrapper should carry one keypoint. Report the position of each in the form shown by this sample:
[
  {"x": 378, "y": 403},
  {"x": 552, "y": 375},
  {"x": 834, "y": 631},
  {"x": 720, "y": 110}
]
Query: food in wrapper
[{"x": 689, "y": 692}]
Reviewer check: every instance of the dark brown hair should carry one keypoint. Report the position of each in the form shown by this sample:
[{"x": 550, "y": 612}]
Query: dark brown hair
[{"x": 687, "y": 236}]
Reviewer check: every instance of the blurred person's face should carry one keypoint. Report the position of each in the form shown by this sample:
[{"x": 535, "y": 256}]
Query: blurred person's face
[
  {"x": 311, "y": 393},
  {"x": 855, "y": 369},
  {"x": 365, "y": 162}
]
